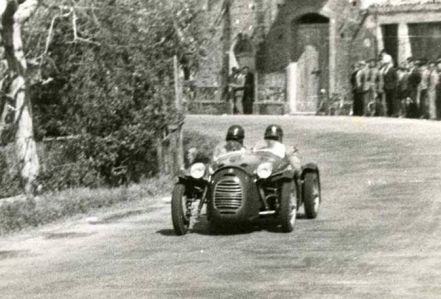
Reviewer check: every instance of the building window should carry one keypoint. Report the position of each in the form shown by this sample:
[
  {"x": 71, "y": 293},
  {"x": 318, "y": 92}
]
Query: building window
[{"x": 425, "y": 40}]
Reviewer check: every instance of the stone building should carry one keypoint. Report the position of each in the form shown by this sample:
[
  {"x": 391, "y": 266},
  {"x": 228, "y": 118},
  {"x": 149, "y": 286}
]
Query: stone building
[
  {"x": 301, "y": 51},
  {"x": 404, "y": 28}
]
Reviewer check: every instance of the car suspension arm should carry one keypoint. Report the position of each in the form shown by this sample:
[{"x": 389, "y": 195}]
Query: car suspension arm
[{"x": 203, "y": 200}]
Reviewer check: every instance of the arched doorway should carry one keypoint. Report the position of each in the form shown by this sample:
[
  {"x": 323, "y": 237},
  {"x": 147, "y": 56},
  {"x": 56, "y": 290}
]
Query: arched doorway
[
  {"x": 243, "y": 50},
  {"x": 310, "y": 54}
]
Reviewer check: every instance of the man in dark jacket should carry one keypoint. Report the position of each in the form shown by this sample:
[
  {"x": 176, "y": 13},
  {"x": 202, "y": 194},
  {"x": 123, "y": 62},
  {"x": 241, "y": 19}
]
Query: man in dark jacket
[
  {"x": 438, "y": 91},
  {"x": 423, "y": 88},
  {"x": 390, "y": 89},
  {"x": 357, "y": 106},
  {"x": 248, "y": 91},
  {"x": 414, "y": 81}
]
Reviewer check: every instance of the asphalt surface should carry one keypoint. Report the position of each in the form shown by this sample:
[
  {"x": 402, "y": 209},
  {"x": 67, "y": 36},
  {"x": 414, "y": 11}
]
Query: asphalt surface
[{"x": 378, "y": 233}]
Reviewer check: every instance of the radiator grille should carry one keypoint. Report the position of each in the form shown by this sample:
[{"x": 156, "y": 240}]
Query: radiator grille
[{"x": 228, "y": 195}]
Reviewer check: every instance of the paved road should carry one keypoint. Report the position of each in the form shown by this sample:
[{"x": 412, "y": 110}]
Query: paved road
[{"x": 378, "y": 234}]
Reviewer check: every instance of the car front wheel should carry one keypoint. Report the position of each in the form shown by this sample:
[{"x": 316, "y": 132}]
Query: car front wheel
[
  {"x": 288, "y": 206},
  {"x": 311, "y": 194},
  {"x": 180, "y": 210}
]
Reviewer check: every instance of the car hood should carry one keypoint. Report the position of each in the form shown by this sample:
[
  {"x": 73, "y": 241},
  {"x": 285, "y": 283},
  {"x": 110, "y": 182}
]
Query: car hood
[{"x": 249, "y": 161}]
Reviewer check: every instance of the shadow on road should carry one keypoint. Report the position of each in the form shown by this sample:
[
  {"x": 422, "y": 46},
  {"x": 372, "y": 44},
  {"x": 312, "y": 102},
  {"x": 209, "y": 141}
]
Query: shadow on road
[{"x": 201, "y": 226}]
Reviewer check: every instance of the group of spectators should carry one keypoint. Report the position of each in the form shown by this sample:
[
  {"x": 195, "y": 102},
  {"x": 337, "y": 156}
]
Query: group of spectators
[
  {"x": 241, "y": 90},
  {"x": 411, "y": 90}
]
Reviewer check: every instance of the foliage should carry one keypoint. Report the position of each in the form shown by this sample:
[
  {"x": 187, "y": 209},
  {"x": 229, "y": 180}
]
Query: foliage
[
  {"x": 109, "y": 78},
  {"x": 65, "y": 164},
  {"x": 9, "y": 179},
  {"x": 204, "y": 144}
]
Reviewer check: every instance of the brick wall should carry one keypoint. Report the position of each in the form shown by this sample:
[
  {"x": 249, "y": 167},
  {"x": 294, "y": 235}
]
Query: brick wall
[{"x": 209, "y": 73}]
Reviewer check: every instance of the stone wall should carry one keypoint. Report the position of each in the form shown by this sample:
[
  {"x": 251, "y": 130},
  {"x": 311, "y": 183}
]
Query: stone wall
[
  {"x": 404, "y": 15},
  {"x": 276, "y": 50},
  {"x": 209, "y": 73},
  {"x": 271, "y": 87}
]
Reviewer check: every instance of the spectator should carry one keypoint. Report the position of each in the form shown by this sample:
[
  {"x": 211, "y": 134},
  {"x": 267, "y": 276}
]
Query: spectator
[
  {"x": 386, "y": 58},
  {"x": 413, "y": 83},
  {"x": 390, "y": 89},
  {"x": 403, "y": 89},
  {"x": 372, "y": 80},
  {"x": 379, "y": 109},
  {"x": 238, "y": 90},
  {"x": 231, "y": 89},
  {"x": 438, "y": 90},
  {"x": 433, "y": 81},
  {"x": 357, "y": 99},
  {"x": 362, "y": 86},
  {"x": 422, "y": 88},
  {"x": 248, "y": 92}
]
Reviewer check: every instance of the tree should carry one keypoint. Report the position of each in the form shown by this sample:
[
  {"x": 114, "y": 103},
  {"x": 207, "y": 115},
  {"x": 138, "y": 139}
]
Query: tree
[
  {"x": 13, "y": 15},
  {"x": 104, "y": 72}
]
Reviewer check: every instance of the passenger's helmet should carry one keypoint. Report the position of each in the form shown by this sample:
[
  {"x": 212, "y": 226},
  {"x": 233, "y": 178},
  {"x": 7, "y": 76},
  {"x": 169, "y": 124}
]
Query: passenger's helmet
[
  {"x": 274, "y": 132},
  {"x": 235, "y": 133}
]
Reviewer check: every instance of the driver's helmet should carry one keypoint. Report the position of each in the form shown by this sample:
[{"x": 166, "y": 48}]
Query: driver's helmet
[
  {"x": 274, "y": 132},
  {"x": 235, "y": 133}
]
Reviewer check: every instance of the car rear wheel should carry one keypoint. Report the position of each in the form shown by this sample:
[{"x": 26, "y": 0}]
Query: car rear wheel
[
  {"x": 288, "y": 207},
  {"x": 180, "y": 210},
  {"x": 311, "y": 194}
]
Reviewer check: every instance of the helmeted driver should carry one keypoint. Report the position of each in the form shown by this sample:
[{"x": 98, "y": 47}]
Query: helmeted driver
[
  {"x": 274, "y": 142},
  {"x": 233, "y": 142}
]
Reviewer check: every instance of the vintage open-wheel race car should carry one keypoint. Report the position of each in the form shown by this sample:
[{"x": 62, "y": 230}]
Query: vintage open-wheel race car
[{"x": 244, "y": 186}]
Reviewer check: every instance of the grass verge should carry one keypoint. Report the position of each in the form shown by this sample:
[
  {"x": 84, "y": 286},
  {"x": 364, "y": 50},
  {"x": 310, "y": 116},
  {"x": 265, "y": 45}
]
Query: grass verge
[{"x": 19, "y": 213}]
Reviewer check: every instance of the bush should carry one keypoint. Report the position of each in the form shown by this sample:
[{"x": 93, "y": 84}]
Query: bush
[
  {"x": 93, "y": 164},
  {"x": 9, "y": 179},
  {"x": 204, "y": 145},
  {"x": 64, "y": 166},
  {"x": 116, "y": 91}
]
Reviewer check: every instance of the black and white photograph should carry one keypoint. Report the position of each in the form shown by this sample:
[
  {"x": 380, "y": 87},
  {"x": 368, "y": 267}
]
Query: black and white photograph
[{"x": 220, "y": 149}]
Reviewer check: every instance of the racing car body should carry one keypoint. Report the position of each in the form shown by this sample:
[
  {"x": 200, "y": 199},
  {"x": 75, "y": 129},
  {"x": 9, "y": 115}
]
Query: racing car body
[{"x": 245, "y": 186}]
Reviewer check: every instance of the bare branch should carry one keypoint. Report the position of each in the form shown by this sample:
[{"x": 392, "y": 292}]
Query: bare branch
[
  {"x": 51, "y": 29},
  {"x": 75, "y": 32}
]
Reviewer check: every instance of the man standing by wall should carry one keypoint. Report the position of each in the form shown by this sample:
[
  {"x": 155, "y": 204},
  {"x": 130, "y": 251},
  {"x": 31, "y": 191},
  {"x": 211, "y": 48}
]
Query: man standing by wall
[
  {"x": 248, "y": 91},
  {"x": 372, "y": 79},
  {"x": 413, "y": 82},
  {"x": 438, "y": 90},
  {"x": 433, "y": 81},
  {"x": 390, "y": 89},
  {"x": 422, "y": 87},
  {"x": 356, "y": 107},
  {"x": 403, "y": 89},
  {"x": 238, "y": 86},
  {"x": 231, "y": 90},
  {"x": 363, "y": 86},
  {"x": 379, "y": 105}
]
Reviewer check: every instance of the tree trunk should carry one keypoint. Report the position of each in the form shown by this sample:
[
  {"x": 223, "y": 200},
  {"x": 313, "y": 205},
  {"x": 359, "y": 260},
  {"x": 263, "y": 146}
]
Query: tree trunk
[{"x": 13, "y": 16}]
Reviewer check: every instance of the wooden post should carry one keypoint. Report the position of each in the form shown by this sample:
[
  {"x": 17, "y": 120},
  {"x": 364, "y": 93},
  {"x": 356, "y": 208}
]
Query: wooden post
[
  {"x": 256, "y": 107},
  {"x": 178, "y": 141},
  {"x": 178, "y": 85}
]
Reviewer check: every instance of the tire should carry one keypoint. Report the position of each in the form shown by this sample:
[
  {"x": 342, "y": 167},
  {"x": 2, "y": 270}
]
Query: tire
[
  {"x": 180, "y": 220},
  {"x": 288, "y": 206},
  {"x": 311, "y": 194}
]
